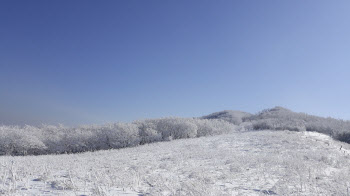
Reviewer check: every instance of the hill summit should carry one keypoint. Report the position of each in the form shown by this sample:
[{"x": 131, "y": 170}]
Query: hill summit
[{"x": 232, "y": 116}]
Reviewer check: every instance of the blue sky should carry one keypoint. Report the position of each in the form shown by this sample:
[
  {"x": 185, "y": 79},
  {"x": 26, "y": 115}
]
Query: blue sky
[{"x": 76, "y": 62}]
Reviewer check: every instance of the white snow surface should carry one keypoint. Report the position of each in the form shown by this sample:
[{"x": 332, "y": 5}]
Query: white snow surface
[{"x": 240, "y": 163}]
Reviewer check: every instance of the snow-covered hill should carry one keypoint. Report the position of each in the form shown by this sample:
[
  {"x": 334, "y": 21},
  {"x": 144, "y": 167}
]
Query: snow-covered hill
[
  {"x": 279, "y": 118},
  {"x": 240, "y": 163}
]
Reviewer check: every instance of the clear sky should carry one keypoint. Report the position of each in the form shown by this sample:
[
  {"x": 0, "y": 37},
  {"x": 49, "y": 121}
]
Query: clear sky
[{"x": 75, "y": 62}]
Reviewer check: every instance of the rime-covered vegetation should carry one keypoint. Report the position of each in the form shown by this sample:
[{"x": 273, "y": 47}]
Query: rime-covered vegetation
[
  {"x": 279, "y": 118},
  {"x": 47, "y": 139}
]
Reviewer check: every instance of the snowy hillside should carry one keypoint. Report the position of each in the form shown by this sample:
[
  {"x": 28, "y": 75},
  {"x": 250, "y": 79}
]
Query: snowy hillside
[
  {"x": 48, "y": 139},
  {"x": 239, "y": 163},
  {"x": 274, "y": 152}
]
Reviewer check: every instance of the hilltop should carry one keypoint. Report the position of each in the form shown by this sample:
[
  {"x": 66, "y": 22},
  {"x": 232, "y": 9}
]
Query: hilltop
[
  {"x": 232, "y": 116},
  {"x": 279, "y": 118}
]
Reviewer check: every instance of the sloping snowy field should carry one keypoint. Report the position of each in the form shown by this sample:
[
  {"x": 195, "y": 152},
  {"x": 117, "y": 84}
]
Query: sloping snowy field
[{"x": 241, "y": 163}]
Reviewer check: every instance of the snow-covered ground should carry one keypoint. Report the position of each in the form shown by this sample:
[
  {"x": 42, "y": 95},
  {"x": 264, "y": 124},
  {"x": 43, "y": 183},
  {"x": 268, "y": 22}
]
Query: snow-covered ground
[{"x": 241, "y": 163}]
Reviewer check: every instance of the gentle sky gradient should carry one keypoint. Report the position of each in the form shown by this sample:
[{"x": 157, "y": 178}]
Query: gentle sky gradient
[{"x": 76, "y": 62}]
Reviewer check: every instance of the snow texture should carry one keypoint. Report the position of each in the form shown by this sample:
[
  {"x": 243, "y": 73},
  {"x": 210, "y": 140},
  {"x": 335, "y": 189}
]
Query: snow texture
[{"x": 240, "y": 163}]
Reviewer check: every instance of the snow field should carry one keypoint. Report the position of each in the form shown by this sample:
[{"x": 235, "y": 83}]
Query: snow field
[{"x": 240, "y": 163}]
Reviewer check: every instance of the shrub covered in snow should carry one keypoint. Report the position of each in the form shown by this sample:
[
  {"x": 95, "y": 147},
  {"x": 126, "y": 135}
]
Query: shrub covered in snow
[{"x": 47, "y": 139}]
